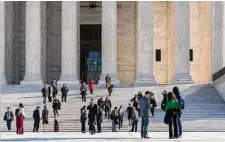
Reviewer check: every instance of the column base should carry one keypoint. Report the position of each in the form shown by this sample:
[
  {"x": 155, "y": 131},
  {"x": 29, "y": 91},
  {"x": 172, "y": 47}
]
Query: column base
[
  {"x": 68, "y": 80},
  {"x": 182, "y": 78},
  {"x": 115, "y": 81},
  {"x": 145, "y": 80},
  {"x": 32, "y": 80}
]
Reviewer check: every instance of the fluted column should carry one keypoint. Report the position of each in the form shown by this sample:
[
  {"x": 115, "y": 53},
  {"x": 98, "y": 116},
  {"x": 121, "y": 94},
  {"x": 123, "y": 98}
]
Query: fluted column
[
  {"x": 182, "y": 44},
  {"x": 217, "y": 35},
  {"x": 109, "y": 41},
  {"x": 69, "y": 43},
  {"x": 145, "y": 44},
  {"x": 33, "y": 43},
  {"x": 2, "y": 43}
]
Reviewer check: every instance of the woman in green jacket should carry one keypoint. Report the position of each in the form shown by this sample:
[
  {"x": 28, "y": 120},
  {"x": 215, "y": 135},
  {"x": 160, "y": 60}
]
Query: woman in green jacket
[{"x": 172, "y": 109}]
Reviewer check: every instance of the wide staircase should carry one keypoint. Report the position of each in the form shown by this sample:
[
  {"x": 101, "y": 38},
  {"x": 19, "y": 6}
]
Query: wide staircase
[{"x": 204, "y": 110}]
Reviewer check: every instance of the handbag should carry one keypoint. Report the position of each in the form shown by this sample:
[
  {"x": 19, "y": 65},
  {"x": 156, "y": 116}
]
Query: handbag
[{"x": 166, "y": 118}]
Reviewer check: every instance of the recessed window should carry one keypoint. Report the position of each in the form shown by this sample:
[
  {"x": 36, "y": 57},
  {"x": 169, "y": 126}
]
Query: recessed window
[
  {"x": 158, "y": 55},
  {"x": 191, "y": 54}
]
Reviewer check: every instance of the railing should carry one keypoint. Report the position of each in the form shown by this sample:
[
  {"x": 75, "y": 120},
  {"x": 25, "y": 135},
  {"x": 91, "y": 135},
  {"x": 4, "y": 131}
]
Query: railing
[{"x": 218, "y": 74}]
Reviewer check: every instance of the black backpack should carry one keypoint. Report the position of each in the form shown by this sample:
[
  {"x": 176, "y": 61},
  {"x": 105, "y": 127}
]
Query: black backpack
[{"x": 182, "y": 104}]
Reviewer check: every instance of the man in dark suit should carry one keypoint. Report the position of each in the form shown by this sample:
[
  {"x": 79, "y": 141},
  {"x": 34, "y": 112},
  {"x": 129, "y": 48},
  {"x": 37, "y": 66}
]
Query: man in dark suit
[
  {"x": 36, "y": 117},
  {"x": 92, "y": 114}
]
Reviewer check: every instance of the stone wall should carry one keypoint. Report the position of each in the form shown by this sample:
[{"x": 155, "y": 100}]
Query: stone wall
[
  {"x": 200, "y": 67},
  {"x": 126, "y": 42},
  {"x": 160, "y": 41}
]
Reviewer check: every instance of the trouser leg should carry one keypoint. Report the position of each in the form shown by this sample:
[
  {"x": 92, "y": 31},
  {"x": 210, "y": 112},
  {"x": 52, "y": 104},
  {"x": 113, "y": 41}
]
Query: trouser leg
[
  {"x": 9, "y": 125},
  {"x": 179, "y": 127},
  {"x": 175, "y": 125},
  {"x": 152, "y": 111},
  {"x": 170, "y": 128},
  {"x": 136, "y": 124}
]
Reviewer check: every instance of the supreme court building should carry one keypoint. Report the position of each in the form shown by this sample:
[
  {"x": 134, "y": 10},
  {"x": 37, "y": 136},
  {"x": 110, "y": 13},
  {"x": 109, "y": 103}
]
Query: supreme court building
[{"x": 135, "y": 42}]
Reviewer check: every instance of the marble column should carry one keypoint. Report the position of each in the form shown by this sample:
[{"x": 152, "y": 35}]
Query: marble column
[
  {"x": 145, "y": 44},
  {"x": 182, "y": 44},
  {"x": 217, "y": 35},
  {"x": 33, "y": 44},
  {"x": 109, "y": 41},
  {"x": 223, "y": 53},
  {"x": 2, "y": 43},
  {"x": 69, "y": 43}
]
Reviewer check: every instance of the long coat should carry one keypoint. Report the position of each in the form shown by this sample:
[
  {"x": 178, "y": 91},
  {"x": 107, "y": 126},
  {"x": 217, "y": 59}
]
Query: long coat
[{"x": 91, "y": 84}]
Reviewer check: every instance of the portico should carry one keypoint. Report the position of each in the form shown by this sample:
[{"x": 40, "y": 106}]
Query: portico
[{"x": 135, "y": 46}]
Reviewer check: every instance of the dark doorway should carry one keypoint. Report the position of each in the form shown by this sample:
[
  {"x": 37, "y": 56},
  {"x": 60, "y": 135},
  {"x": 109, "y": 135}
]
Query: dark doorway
[{"x": 90, "y": 53}]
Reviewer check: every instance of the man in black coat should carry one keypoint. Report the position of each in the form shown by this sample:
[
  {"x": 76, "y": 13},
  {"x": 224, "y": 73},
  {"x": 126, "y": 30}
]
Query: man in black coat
[
  {"x": 56, "y": 105},
  {"x": 8, "y": 117},
  {"x": 99, "y": 119},
  {"x": 36, "y": 117},
  {"x": 64, "y": 91},
  {"x": 92, "y": 114}
]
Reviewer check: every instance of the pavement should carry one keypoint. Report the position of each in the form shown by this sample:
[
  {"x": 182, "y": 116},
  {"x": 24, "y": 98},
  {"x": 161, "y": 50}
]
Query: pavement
[{"x": 109, "y": 137}]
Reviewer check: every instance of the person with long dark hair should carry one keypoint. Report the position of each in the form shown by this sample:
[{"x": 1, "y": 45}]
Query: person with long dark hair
[
  {"x": 172, "y": 111},
  {"x": 19, "y": 119},
  {"x": 178, "y": 97}
]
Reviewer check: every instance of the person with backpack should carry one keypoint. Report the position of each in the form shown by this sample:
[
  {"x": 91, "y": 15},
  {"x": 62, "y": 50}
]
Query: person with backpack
[
  {"x": 83, "y": 119},
  {"x": 153, "y": 103},
  {"x": 110, "y": 87},
  {"x": 83, "y": 89},
  {"x": 134, "y": 120},
  {"x": 64, "y": 91},
  {"x": 8, "y": 117},
  {"x": 44, "y": 93},
  {"x": 172, "y": 112},
  {"x": 114, "y": 118},
  {"x": 56, "y": 105},
  {"x": 181, "y": 105},
  {"x": 36, "y": 117}
]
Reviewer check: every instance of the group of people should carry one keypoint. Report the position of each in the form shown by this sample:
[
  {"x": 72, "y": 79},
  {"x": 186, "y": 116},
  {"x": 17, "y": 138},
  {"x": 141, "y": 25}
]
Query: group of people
[
  {"x": 143, "y": 108},
  {"x": 84, "y": 88}
]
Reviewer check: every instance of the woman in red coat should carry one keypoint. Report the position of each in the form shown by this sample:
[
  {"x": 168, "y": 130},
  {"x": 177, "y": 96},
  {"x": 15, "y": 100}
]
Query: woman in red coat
[
  {"x": 19, "y": 119},
  {"x": 91, "y": 85}
]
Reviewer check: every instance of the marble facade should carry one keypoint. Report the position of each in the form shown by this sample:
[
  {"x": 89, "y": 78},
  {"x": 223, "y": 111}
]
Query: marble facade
[{"x": 32, "y": 46}]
